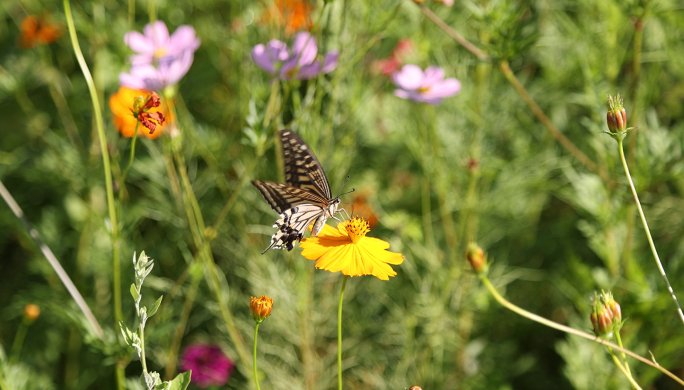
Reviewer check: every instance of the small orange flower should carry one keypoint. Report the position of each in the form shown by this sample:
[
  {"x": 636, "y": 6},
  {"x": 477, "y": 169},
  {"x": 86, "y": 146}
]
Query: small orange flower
[
  {"x": 361, "y": 207},
  {"x": 347, "y": 249},
  {"x": 260, "y": 307},
  {"x": 125, "y": 113},
  {"x": 292, "y": 14},
  {"x": 38, "y": 31},
  {"x": 31, "y": 312}
]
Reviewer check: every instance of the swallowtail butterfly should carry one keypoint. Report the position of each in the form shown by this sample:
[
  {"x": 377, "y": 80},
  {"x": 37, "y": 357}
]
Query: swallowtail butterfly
[{"x": 304, "y": 199}]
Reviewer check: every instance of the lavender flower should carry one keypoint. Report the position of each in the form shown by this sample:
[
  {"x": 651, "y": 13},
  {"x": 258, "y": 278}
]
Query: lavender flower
[
  {"x": 276, "y": 58},
  {"x": 161, "y": 60},
  {"x": 209, "y": 365},
  {"x": 424, "y": 87}
]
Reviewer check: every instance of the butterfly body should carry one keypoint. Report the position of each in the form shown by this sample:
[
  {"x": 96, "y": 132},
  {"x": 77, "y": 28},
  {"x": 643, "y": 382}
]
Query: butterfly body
[{"x": 306, "y": 197}]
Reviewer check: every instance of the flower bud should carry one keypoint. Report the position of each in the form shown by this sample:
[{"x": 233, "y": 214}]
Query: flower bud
[
  {"x": 31, "y": 312},
  {"x": 261, "y": 308},
  {"x": 415, "y": 388},
  {"x": 617, "y": 116},
  {"x": 602, "y": 318},
  {"x": 476, "y": 257},
  {"x": 613, "y": 306}
]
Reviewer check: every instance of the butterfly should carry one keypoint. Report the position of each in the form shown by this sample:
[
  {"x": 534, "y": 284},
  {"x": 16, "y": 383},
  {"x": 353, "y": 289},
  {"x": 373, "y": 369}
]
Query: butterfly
[{"x": 306, "y": 197}]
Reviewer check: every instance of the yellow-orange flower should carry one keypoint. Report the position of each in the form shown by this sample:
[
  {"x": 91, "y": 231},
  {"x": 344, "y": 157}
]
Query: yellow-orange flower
[
  {"x": 260, "y": 307},
  {"x": 292, "y": 14},
  {"x": 38, "y": 31},
  {"x": 347, "y": 249},
  {"x": 122, "y": 102}
]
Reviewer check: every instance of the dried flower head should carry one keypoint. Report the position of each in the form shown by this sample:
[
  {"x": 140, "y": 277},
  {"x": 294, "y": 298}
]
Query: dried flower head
[
  {"x": 347, "y": 249},
  {"x": 260, "y": 307},
  {"x": 132, "y": 105}
]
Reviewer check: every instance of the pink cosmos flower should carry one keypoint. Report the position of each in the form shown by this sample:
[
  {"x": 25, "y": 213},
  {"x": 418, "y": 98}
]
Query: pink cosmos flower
[
  {"x": 161, "y": 60},
  {"x": 276, "y": 58},
  {"x": 209, "y": 365},
  {"x": 424, "y": 87}
]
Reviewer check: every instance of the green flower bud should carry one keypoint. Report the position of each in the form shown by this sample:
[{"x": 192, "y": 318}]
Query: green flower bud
[
  {"x": 602, "y": 318},
  {"x": 476, "y": 257},
  {"x": 617, "y": 116}
]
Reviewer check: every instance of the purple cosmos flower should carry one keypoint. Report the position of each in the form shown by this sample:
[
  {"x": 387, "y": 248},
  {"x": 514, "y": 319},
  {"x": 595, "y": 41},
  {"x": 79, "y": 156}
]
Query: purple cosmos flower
[
  {"x": 424, "y": 87},
  {"x": 209, "y": 365},
  {"x": 161, "y": 60},
  {"x": 275, "y": 58}
]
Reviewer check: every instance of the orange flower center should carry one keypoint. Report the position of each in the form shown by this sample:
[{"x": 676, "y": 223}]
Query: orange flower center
[
  {"x": 356, "y": 228},
  {"x": 424, "y": 89}
]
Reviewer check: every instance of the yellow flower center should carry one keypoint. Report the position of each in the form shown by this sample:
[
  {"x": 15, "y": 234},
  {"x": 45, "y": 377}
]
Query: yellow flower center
[
  {"x": 159, "y": 53},
  {"x": 424, "y": 89},
  {"x": 356, "y": 228}
]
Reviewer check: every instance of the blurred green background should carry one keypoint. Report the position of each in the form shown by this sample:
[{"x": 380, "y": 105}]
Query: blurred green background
[{"x": 479, "y": 167}]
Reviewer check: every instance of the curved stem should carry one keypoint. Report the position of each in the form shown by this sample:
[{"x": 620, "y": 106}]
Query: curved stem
[
  {"x": 339, "y": 335},
  {"x": 624, "y": 371},
  {"x": 254, "y": 363},
  {"x": 508, "y": 305},
  {"x": 648, "y": 232}
]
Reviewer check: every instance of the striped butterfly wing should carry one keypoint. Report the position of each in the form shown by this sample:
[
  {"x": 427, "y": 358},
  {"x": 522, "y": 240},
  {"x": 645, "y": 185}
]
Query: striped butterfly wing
[
  {"x": 298, "y": 208},
  {"x": 302, "y": 168}
]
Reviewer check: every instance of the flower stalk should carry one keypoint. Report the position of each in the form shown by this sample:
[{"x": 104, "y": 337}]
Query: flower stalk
[
  {"x": 648, "y": 232},
  {"x": 97, "y": 111},
  {"x": 339, "y": 335},
  {"x": 254, "y": 360},
  {"x": 510, "y": 306}
]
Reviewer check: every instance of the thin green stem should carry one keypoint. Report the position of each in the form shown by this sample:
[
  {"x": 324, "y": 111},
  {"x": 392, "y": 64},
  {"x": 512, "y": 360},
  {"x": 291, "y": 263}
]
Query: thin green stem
[
  {"x": 624, "y": 358},
  {"x": 125, "y": 172},
  {"x": 508, "y": 305},
  {"x": 131, "y": 14},
  {"x": 152, "y": 10},
  {"x": 19, "y": 340},
  {"x": 648, "y": 232},
  {"x": 339, "y": 335},
  {"x": 118, "y": 313},
  {"x": 254, "y": 360},
  {"x": 142, "y": 348},
  {"x": 624, "y": 371}
]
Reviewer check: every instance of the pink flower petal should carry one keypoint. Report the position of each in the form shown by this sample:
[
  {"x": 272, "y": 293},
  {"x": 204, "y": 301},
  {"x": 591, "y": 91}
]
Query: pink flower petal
[
  {"x": 447, "y": 88},
  {"x": 433, "y": 76},
  {"x": 138, "y": 42},
  {"x": 157, "y": 33},
  {"x": 410, "y": 77}
]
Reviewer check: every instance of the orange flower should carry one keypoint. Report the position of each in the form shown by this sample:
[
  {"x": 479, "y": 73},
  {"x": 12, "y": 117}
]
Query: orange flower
[
  {"x": 293, "y": 14},
  {"x": 260, "y": 307},
  {"x": 347, "y": 249},
  {"x": 38, "y": 31},
  {"x": 361, "y": 207},
  {"x": 124, "y": 114}
]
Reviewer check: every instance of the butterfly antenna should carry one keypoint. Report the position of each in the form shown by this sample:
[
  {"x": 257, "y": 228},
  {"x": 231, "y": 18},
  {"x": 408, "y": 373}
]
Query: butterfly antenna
[{"x": 345, "y": 182}]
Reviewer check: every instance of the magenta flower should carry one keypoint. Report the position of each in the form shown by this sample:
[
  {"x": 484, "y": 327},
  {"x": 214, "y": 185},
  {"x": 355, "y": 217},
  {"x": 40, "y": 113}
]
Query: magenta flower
[
  {"x": 209, "y": 365},
  {"x": 424, "y": 87},
  {"x": 276, "y": 58},
  {"x": 161, "y": 60}
]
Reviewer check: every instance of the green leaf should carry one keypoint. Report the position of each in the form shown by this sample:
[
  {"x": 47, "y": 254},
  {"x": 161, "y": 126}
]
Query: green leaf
[
  {"x": 134, "y": 292},
  {"x": 155, "y": 307},
  {"x": 181, "y": 382},
  {"x": 127, "y": 334}
]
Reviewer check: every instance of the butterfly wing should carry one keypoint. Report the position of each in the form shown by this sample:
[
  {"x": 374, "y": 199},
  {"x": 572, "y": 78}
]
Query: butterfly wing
[
  {"x": 297, "y": 209},
  {"x": 302, "y": 168}
]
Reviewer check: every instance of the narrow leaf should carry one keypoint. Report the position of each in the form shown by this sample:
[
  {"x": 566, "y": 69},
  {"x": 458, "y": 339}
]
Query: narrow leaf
[
  {"x": 155, "y": 307},
  {"x": 181, "y": 382}
]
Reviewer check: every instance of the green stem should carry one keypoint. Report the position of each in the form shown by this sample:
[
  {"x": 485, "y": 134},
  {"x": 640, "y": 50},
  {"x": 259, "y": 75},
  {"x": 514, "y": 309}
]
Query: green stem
[
  {"x": 508, "y": 305},
  {"x": 624, "y": 371},
  {"x": 254, "y": 360},
  {"x": 624, "y": 358},
  {"x": 131, "y": 14},
  {"x": 118, "y": 313},
  {"x": 152, "y": 10},
  {"x": 648, "y": 232},
  {"x": 142, "y": 348},
  {"x": 19, "y": 340},
  {"x": 339, "y": 335},
  {"x": 130, "y": 163}
]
